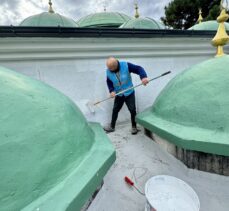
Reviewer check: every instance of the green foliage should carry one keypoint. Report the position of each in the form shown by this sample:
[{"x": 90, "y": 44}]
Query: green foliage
[
  {"x": 182, "y": 14},
  {"x": 213, "y": 13}
]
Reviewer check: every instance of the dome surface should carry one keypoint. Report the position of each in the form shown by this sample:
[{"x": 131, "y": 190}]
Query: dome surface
[
  {"x": 143, "y": 23},
  {"x": 44, "y": 138},
  {"x": 193, "y": 109},
  {"x": 208, "y": 25},
  {"x": 48, "y": 19},
  {"x": 103, "y": 19}
]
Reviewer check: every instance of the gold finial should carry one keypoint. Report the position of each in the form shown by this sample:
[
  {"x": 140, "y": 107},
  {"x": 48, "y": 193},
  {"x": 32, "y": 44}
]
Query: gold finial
[
  {"x": 221, "y": 38},
  {"x": 136, "y": 11},
  {"x": 200, "y": 19},
  {"x": 50, "y": 7}
]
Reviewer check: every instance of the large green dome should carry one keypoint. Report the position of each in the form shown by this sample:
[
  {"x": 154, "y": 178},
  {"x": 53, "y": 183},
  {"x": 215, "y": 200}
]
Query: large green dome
[
  {"x": 48, "y": 19},
  {"x": 193, "y": 110},
  {"x": 208, "y": 25},
  {"x": 103, "y": 19},
  {"x": 45, "y": 146},
  {"x": 143, "y": 23}
]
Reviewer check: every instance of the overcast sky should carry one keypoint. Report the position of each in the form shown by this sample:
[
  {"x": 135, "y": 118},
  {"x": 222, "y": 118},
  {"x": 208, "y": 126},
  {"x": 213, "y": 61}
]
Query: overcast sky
[{"x": 14, "y": 11}]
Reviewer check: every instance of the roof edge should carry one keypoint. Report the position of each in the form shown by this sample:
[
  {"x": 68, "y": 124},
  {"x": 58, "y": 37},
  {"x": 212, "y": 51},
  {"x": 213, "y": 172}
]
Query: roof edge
[{"x": 24, "y": 31}]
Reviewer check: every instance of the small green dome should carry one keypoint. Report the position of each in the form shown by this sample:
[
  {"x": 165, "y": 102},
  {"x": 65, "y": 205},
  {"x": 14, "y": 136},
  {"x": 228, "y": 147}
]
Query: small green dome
[
  {"x": 208, "y": 25},
  {"x": 43, "y": 139},
  {"x": 143, "y": 23},
  {"x": 103, "y": 19},
  {"x": 48, "y": 19},
  {"x": 193, "y": 109}
]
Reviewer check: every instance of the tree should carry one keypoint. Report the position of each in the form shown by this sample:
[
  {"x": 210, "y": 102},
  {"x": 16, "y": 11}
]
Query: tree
[
  {"x": 213, "y": 13},
  {"x": 183, "y": 14}
]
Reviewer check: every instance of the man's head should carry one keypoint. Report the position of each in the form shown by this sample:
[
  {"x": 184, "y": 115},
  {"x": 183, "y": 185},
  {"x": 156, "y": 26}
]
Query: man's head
[{"x": 112, "y": 64}]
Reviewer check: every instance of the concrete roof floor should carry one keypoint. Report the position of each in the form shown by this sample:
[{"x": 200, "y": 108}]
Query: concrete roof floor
[{"x": 140, "y": 158}]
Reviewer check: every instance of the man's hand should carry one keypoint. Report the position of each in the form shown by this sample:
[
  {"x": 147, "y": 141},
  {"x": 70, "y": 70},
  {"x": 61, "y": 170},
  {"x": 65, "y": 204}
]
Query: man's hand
[
  {"x": 145, "y": 81},
  {"x": 112, "y": 94}
]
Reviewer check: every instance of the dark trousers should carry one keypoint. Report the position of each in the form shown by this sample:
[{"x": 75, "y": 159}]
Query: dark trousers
[{"x": 118, "y": 103}]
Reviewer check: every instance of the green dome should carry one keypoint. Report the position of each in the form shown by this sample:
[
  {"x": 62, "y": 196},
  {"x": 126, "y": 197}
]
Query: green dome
[
  {"x": 208, "y": 25},
  {"x": 48, "y": 19},
  {"x": 43, "y": 139},
  {"x": 103, "y": 19},
  {"x": 193, "y": 109},
  {"x": 143, "y": 23}
]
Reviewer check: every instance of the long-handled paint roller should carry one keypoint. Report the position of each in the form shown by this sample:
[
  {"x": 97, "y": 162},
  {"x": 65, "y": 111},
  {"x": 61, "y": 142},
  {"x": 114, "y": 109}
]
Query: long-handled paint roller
[{"x": 91, "y": 105}]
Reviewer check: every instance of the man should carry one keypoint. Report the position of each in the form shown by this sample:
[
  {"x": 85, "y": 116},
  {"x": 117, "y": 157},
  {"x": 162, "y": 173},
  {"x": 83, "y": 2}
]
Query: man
[{"x": 119, "y": 79}]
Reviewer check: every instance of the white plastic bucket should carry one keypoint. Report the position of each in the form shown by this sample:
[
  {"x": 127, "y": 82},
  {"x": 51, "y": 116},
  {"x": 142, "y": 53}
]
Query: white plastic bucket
[{"x": 166, "y": 193}]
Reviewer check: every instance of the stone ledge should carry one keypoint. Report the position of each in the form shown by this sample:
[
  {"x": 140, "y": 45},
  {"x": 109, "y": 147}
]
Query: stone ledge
[{"x": 202, "y": 161}]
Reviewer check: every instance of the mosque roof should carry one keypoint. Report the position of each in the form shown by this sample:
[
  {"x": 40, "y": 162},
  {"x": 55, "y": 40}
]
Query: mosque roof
[
  {"x": 49, "y": 18},
  {"x": 193, "y": 110},
  {"x": 45, "y": 146},
  {"x": 143, "y": 23},
  {"x": 208, "y": 25},
  {"x": 103, "y": 19}
]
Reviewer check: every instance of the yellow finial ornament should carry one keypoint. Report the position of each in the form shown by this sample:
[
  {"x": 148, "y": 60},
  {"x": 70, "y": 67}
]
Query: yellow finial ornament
[
  {"x": 136, "y": 11},
  {"x": 50, "y": 7},
  {"x": 221, "y": 38},
  {"x": 200, "y": 19}
]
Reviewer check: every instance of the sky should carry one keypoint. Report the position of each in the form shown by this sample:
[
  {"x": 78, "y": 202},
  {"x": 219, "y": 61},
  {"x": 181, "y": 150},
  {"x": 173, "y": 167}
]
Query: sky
[{"x": 14, "y": 11}]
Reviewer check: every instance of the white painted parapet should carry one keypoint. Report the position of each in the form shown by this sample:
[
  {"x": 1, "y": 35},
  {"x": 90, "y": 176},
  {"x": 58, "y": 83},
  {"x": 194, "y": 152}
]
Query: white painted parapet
[{"x": 76, "y": 66}]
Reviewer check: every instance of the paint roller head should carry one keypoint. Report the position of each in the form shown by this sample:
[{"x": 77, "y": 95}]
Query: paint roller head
[
  {"x": 91, "y": 107},
  {"x": 100, "y": 107}
]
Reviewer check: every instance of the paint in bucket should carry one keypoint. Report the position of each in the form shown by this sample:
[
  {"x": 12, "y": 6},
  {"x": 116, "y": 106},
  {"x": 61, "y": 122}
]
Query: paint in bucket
[{"x": 167, "y": 193}]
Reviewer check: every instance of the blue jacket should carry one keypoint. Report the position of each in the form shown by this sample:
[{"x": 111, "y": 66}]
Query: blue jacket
[{"x": 122, "y": 80}]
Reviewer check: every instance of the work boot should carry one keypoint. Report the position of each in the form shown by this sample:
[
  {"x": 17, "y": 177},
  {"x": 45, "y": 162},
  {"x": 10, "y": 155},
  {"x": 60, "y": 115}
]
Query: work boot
[
  {"x": 134, "y": 131},
  {"x": 109, "y": 129}
]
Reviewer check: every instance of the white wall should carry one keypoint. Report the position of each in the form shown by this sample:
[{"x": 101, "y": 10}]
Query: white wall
[{"x": 76, "y": 66}]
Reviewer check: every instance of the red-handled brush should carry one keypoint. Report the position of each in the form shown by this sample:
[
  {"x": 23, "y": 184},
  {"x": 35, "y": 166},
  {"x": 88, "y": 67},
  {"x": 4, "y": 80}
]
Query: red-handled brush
[{"x": 131, "y": 183}]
